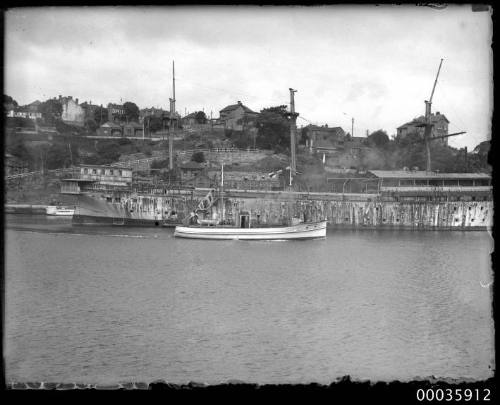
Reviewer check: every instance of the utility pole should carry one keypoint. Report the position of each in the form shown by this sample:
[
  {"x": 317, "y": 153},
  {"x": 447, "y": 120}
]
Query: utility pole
[
  {"x": 293, "y": 132},
  {"x": 352, "y": 126}
]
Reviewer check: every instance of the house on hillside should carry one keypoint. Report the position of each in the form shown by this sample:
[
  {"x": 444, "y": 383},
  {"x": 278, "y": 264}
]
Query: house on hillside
[
  {"x": 110, "y": 129},
  {"x": 90, "y": 111},
  {"x": 324, "y": 139},
  {"x": 190, "y": 170},
  {"x": 237, "y": 116},
  {"x": 132, "y": 129},
  {"x": 151, "y": 112},
  {"x": 116, "y": 112},
  {"x": 72, "y": 112},
  {"x": 28, "y": 111},
  {"x": 189, "y": 120},
  {"x": 417, "y": 125}
]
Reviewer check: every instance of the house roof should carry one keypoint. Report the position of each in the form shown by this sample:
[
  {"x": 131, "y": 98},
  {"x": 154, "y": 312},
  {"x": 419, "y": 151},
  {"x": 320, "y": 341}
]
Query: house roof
[
  {"x": 192, "y": 115},
  {"x": 337, "y": 131},
  {"x": 191, "y": 165},
  {"x": 110, "y": 124},
  {"x": 104, "y": 167},
  {"x": 233, "y": 107},
  {"x": 422, "y": 174},
  {"x": 421, "y": 120},
  {"x": 134, "y": 125}
]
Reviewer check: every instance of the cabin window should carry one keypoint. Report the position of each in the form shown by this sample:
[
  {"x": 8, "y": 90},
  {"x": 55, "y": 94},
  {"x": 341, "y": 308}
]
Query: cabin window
[
  {"x": 94, "y": 171},
  {"x": 85, "y": 171},
  {"x": 111, "y": 172}
]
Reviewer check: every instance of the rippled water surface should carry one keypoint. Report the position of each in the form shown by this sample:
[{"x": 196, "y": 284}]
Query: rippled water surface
[{"x": 112, "y": 304}]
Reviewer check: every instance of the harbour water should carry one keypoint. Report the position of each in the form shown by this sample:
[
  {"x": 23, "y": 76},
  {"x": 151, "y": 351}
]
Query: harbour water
[{"x": 113, "y": 304}]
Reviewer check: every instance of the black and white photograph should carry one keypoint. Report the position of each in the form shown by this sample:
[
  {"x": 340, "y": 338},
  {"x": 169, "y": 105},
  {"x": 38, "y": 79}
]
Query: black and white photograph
[{"x": 214, "y": 195}]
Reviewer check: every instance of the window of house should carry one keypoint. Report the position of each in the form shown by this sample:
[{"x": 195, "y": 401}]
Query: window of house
[{"x": 94, "y": 171}]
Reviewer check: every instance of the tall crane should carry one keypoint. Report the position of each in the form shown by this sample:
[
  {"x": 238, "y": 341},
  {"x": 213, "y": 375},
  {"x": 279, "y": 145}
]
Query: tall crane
[{"x": 428, "y": 124}]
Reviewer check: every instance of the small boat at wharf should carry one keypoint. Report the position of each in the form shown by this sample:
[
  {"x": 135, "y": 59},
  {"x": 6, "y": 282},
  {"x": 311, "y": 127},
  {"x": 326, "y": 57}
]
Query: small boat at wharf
[
  {"x": 305, "y": 230},
  {"x": 215, "y": 228},
  {"x": 59, "y": 210}
]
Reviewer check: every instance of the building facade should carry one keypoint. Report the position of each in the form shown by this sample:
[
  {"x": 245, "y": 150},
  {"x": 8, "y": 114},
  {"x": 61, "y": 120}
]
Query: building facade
[
  {"x": 72, "y": 112},
  {"x": 324, "y": 139},
  {"x": 110, "y": 129},
  {"x": 237, "y": 117},
  {"x": 439, "y": 127},
  {"x": 116, "y": 112}
]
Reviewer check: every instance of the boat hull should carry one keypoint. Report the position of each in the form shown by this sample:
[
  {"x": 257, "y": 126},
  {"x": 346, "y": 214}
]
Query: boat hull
[
  {"x": 313, "y": 230},
  {"x": 58, "y": 211}
]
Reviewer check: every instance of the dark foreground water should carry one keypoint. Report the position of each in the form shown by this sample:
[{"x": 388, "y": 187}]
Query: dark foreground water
[{"x": 111, "y": 304}]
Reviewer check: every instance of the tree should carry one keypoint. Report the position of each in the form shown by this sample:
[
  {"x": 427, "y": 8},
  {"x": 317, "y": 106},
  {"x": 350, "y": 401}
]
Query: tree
[
  {"x": 9, "y": 103},
  {"x": 378, "y": 138},
  {"x": 17, "y": 148},
  {"x": 51, "y": 111},
  {"x": 273, "y": 129},
  {"x": 153, "y": 124},
  {"x": 58, "y": 156},
  {"x": 101, "y": 115},
  {"x": 91, "y": 125},
  {"x": 200, "y": 117},
  {"x": 159, "y": 164},
  {"x": 131, "y": 111},
  {"x": 304, "y": 135},
  {"x": 198, "y": 157}
]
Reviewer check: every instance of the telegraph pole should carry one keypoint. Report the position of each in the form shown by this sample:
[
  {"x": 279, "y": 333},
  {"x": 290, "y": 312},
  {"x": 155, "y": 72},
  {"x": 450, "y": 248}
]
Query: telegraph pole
[
  {"x": 352, "y": 127},
  {"x": 293, "y": 133}
]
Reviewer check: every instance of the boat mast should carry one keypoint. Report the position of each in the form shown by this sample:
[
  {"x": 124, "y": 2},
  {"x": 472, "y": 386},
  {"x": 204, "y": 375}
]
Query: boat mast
[
  {"x": 172, "y": 113},
  {"x": 293, "y": 132},
  {"x": 222, "y": 191}
]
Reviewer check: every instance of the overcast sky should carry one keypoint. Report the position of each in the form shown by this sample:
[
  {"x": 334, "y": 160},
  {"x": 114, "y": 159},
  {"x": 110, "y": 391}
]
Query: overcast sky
[{"x": 374, "y": 63}]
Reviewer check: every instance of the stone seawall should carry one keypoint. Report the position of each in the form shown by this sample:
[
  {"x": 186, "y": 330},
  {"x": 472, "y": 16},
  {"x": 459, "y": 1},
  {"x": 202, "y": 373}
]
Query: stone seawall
[
  {"x": 371, "y": 214},
  {"x": 278, "y": 208}
]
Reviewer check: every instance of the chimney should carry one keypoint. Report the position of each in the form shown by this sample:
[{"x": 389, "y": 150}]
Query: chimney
[
  {"x": 60, "y": 96},
  {"x": 239, "y": 102},
  {"x": 76, "y": 100}
]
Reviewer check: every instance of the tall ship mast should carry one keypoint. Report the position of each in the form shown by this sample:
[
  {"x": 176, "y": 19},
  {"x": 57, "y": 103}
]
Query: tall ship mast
[{"x": 172, "y": 123}]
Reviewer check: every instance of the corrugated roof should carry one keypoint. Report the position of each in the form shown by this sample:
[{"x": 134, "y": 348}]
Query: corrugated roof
[
  {"x": 134, "y": 124},
  {"x": 110, "y": 124},
  {"x": 235, "y": 106},
  {"x": 421, "y": 120},
  {"x": 192, "y": 165},
  {"x": 422, "y": 174}
]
